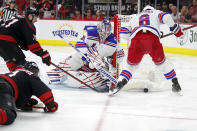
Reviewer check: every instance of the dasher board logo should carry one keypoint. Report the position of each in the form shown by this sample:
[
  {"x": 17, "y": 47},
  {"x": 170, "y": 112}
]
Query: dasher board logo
[{"x": 65, "y": 30}]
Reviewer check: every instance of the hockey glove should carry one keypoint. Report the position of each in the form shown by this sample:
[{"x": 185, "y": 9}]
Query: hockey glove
[
  {"x": 46, "y": 58},
  {"x": 50, "y": 108},
  {"x": 176, "y": 29},
  {"x": 28, "y": 106}
]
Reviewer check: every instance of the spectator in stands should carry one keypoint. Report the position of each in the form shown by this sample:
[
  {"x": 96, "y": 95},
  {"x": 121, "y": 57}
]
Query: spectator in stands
[
  {"x": 9, "y": 11},
  {"x": 77, "y": 15},
  {"x": 193, "y": 11},
  {"x": 158, "y": 7},
  {"x": 185, "y": 16},
  {"x": 47, "y": 6},
  {"x": 37, "y": 4},
  {"x": 170, "y": 6},
  {"x": 65, "y": 10},
  {"x": 52, "y": 16},
  {"x": 175, "y": 15},
  {"x": 135, "y": 9},
  {"x": 78, "y": 3},
  {"x": 88, "y": 15},
  {"x": 99, "y": 15},
  {"x": 165, "y": 7}
]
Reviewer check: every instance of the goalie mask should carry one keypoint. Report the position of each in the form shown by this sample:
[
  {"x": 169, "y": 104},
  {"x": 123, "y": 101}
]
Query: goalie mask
[{"x": 104, "y": 29}]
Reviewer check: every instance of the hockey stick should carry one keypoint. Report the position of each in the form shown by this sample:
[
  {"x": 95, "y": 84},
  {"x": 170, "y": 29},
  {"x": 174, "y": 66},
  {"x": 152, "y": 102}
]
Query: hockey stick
[
  {"x": 183, "y": 30},
  {"x": 100, "y": 69},
  {"x": 38, "y": 107},
  {"x": 74, "y": 77}
]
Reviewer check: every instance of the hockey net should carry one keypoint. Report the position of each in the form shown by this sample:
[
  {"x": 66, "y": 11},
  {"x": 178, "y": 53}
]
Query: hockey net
[{"x": 147, "y": 75}]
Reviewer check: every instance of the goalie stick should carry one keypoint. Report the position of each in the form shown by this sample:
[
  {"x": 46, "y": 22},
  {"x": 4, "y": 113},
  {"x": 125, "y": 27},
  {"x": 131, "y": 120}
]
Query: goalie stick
[
  {"x": 100, "y": 69},
  {"x": 183, "y": 30},
  {"x": 74, "y": 77}
]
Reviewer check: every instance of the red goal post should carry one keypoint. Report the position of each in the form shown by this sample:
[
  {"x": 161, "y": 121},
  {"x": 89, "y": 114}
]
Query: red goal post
[
  {"x": 121, "y": 21},
  {"x": 118, "y": 21}
]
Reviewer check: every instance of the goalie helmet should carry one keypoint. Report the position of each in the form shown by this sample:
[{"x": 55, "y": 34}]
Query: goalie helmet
[
  {"x": 31, "y": 66},
  {"x": 104, "y": 29}
]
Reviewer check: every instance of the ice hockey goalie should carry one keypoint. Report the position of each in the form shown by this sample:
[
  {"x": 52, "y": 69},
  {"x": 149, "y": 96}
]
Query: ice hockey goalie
[{"x": 100, "y": 45}]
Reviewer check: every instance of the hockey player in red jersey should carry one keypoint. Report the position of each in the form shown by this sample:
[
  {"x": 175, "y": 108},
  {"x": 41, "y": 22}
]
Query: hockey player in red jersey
[
  {"x": 17, "y": 88},
  {"x": 19, "y": 33},
  {"x": 144, "y": 35}
]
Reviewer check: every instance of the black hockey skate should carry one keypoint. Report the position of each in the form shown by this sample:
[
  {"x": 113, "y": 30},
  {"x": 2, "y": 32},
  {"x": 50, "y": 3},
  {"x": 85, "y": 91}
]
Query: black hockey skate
[
  {"x": 119, "y": 86},
  {"x": 175, "y": 85}
]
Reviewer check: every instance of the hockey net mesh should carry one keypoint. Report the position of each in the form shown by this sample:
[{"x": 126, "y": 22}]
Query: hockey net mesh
[{"x": 147, "y": 75}]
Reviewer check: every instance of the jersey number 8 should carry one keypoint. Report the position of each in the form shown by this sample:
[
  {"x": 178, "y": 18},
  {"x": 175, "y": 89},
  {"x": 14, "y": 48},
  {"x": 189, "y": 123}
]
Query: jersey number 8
[{"x": 144, "y": 20}]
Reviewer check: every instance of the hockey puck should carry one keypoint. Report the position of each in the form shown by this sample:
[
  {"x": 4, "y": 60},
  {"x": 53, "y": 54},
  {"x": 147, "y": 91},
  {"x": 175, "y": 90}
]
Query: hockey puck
[{"x": 145, "y": 90}]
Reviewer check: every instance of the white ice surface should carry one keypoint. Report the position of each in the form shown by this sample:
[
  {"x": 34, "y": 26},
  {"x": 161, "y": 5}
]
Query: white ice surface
[{"x": 86, "y": 110}]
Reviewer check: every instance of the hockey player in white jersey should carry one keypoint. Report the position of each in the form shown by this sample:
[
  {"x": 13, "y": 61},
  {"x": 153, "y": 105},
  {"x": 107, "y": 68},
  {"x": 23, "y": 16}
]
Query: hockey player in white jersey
[
  {"x": 100, "y": 45},
  {"x": 145, "y": 39}
]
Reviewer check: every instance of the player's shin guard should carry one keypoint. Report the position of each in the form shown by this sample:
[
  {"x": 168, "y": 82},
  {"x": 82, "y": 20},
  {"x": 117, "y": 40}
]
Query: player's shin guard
[{"x": 55, "y": 76}]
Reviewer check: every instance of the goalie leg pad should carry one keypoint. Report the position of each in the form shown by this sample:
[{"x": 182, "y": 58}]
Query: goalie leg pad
[
  {"x": 75, "y": 62},
  {"x": 94, "y": 79},
  {"x": 56, "y": 76}
]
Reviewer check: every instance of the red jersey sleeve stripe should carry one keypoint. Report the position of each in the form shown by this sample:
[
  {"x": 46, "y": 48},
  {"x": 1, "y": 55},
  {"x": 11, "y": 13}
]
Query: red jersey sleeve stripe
[
  {"x": 33, "y": 46},
  {"x": 45, "y": 96}
]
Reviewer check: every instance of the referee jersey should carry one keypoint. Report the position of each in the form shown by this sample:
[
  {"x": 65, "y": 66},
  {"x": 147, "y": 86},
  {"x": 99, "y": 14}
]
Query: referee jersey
[{"x": 8, "y": 13}]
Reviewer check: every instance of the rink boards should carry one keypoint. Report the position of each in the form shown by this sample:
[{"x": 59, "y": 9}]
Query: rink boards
[{"x": 47, "y": 31}]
